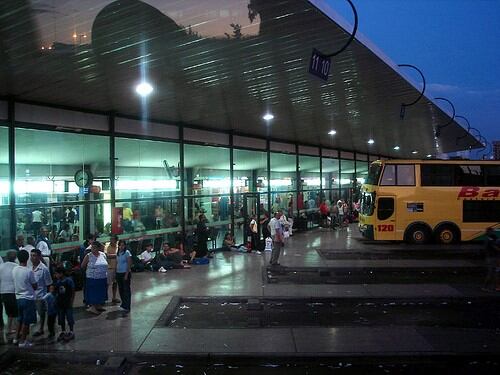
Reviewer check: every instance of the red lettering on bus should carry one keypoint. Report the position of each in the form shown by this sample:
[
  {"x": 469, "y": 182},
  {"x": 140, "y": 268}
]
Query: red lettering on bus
[
  {"x": 491, "y": 193},
  {"x": 468, "y": 192}
]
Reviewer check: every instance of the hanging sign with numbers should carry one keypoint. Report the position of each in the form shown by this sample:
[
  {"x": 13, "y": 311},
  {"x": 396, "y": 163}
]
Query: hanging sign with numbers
[{"x": 319, "y": 65}]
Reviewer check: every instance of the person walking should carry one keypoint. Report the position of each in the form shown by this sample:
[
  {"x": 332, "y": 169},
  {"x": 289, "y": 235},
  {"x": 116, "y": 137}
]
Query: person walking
[
  {"x": 123, "y": 276},
  {"x": 96, "y": 281}
]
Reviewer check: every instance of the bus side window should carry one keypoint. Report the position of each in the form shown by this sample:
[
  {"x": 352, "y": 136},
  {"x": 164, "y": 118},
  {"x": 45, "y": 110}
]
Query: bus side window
[
  {"x": 385, "y": 208},
  {"x": 389, "y": 176}
]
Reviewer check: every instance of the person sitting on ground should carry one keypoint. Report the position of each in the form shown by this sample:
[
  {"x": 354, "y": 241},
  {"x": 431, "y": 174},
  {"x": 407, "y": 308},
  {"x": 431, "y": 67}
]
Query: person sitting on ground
[
  {"x": 187, "y": 257},
  {"x": 171, "y": 258},
  {"x": 147, "y": 258},
  {"x": 229, "y": 244}
]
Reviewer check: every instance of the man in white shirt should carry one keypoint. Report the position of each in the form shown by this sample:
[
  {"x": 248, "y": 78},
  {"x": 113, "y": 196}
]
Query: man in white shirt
[
  {"x": 146, "y": 257},
  {"x": 24, "y": 286},
  {"x": 43, "y": 280},
  {"x": 7, "y": 292},
  {"x": 36, "y": 221}
]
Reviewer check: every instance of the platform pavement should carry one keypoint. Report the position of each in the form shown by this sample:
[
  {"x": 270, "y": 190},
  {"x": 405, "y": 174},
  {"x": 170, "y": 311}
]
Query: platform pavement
[{"x": 236, "y": 274}]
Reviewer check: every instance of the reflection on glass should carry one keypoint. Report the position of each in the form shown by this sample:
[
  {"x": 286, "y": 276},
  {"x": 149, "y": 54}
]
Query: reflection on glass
[
  {"x": 206, "y": 170},
  {"x": 150, "y": 216},
  {"x": 146, "y": 169},
  {"x": 4, "y": 166},
  {"x": 250, "y": 171},
  {"x": 283, "y": 172},
  {"x": 310, "y": 172},
  {"x": 51, "y": 165},
  {"x": 330, "y": 176}
]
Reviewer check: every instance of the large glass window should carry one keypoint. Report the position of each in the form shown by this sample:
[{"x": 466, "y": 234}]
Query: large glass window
[
  {"x": 283, "y": 172},
  {"x": 310, "y": 176},
  {"x": 56, "y": 167},
  {"x": 250, "y": 171},
  {"x": 216, "y": 210},
  {"x": 5, "y": 239},
  {"x": 207, "y": 170},
  {"x": 146, "y": 169},
  {"x": 331, "y": 177},
  {"x": 347, "y": 180},
  {"x": 4, "y": 166}
]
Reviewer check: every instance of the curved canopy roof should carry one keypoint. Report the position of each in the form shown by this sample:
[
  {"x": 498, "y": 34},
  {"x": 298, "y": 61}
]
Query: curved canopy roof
[{"x": 219, "y": 64}]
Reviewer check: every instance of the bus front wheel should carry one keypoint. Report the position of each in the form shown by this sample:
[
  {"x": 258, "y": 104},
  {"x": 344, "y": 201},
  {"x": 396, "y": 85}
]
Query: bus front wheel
[
  {"x": 447, "y": 234},
  {"x": 418, "y": 234}
]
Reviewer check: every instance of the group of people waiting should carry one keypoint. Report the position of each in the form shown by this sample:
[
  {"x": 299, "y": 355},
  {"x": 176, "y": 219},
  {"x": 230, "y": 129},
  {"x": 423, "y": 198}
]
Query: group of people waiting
[{"x": 27, "y": 289}]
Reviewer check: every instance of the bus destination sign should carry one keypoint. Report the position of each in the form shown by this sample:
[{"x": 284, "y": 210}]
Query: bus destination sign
[{"x": 320, "y": 65}]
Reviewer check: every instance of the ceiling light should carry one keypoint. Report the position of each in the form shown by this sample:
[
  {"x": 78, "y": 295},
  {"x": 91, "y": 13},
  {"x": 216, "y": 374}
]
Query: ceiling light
[
  {"x": 414, "y": 152},
  {"x": 144, "y": 89},
  {"x": 396, "y": 148},
  {"x": 371, "y": 141},
  {"x": 332, "y": 132},
  {"x": 429, "y": 156},
  {"x": 268, "y": 117}
]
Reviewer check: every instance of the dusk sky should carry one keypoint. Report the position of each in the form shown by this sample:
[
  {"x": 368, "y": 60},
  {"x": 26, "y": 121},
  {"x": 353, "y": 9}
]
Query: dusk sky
[{"x": 456, "y": 44}]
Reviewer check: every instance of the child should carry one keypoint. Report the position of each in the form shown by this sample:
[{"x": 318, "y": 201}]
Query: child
[
  {"x": 50, "y": 298},
  {"x": 65, "y": 288}
]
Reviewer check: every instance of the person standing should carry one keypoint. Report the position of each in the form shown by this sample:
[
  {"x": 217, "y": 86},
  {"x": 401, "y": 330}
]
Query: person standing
[
  {"x": 254, "y": 233},
  {"x": 277, "y": 236},
  {"x": 65, "y": 295},
  {"x": 124, "y": 275},
  {"x": 7, "y": 291},
  {"x": 110, "y": 251},
  {"x": 96, "y": 281},
  {"x": 202, "y": 236},
  {"x": 43, "y": 280},
  {"x": 24, "y": 286}
]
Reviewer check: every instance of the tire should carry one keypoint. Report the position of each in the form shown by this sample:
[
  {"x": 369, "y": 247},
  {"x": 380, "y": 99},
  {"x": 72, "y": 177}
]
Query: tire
[
  {"x": 418, "y": 234},
  {"x": 447, "y": 234}
]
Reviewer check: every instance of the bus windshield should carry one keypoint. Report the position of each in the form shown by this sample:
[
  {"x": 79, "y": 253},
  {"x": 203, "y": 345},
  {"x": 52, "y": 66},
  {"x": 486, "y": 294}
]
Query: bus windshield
[{"x": 373, "y": 174}]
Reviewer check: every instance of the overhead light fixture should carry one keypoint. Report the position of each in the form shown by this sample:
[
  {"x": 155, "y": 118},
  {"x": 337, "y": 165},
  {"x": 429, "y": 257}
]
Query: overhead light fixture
[
  {"x": 332, "y": 132},
  {"x": 429, "y": 156},
  {"x": 144, "y": 89},
  {"x": 268, "y": 117},
  {"x": 371, "y": 141},
  {"x": 396, "y": 148},
  {"x": 414, "y": 152}
]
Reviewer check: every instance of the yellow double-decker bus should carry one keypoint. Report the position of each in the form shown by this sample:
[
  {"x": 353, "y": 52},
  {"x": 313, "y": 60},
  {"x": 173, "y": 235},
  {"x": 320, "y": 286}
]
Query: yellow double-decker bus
[{"x": 420, "y": 201}]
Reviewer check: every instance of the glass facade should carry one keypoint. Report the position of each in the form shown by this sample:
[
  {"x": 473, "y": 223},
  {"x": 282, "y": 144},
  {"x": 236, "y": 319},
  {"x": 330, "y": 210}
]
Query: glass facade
[
  {"x": 4, "y": 189},
  {"x": 75, "y": 183}
]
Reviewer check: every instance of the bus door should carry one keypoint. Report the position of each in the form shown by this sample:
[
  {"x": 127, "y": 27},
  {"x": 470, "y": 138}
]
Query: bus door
[{"x": 385, "y": 228}]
